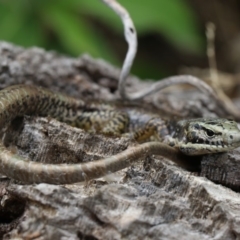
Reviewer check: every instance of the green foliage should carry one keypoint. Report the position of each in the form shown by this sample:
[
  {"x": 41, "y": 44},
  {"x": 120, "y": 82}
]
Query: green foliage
[
  {"x": 67, "y": 26},
  {"x": 172, "y": 18}
]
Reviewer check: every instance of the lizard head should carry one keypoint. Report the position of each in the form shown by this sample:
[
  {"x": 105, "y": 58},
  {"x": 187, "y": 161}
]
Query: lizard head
[{"x": 207, "y": 136}]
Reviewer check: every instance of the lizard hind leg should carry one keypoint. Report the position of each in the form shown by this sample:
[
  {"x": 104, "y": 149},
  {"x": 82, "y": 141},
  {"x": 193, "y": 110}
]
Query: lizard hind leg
[
  {"x": 117, "y": 124},
  {"x": 155, "y": 127},
  {"x": 107, "y": 122}
]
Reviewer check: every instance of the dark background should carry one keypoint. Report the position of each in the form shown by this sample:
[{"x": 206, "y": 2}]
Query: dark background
[{"x": 171, "y": 32}]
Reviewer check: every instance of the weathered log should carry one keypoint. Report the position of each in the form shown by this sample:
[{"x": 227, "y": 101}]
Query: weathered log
[{"x": 152, "y": 199}]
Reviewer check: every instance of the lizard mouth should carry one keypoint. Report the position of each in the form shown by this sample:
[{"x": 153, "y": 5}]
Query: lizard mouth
[
  {"x": 201, "y": 149},
  {"x": 200, "y": 146},
  {"x": 207, "y": 142}
]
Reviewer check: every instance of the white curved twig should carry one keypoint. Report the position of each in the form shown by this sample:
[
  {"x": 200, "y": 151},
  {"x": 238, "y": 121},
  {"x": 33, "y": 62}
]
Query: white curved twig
[
  {"x": 131, "y": 38},
  {"x": 174, "y": 80}
]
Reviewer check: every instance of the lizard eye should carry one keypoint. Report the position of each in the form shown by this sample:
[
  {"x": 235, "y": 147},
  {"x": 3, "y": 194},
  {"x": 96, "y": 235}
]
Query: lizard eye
[{"x": 209, "y": 132}]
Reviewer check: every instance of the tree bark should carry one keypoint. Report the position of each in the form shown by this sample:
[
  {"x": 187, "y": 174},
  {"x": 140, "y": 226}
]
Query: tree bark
[{"x": 153, "y": 199}]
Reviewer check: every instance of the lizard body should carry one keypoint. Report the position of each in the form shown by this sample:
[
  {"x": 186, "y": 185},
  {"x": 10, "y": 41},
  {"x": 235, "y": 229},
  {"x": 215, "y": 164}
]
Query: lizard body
[{"x": 192, "y": 137}]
